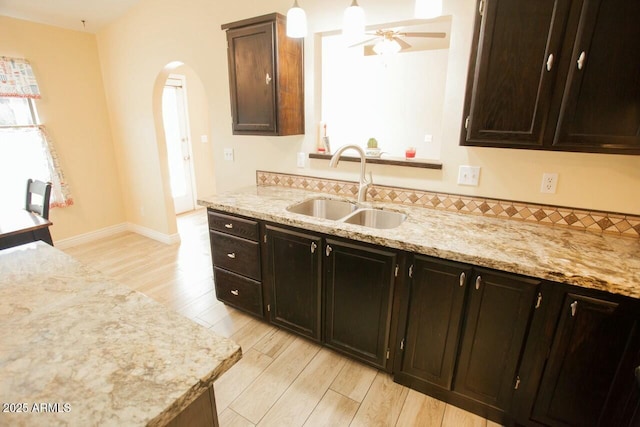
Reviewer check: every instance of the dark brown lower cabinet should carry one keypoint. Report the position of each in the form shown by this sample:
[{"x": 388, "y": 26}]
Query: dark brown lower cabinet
[
  {"x": 200, "y": 413},
  {"x": 294, "y": 281},
  {"x": 462, "y": 332},
  {"x": 359, "y": 282},
  {"x": 497, "y": 321},
  {"x": 235, "y": 253},
  {"x": 430, "y": 323},
  {"x": 508, "y": 348},
  {"x": 238, "y": 291},
  {"x": 589, "y": 379}
]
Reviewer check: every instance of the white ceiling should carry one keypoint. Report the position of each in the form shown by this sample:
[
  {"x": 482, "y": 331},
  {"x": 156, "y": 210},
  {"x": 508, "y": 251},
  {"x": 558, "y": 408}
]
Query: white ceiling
[{"x": 67, "y": 13}]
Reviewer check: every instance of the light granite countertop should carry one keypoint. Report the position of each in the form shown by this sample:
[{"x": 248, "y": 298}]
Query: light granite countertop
[
  {"x": 585, "y": 259},
  {"x": 105, "y": 354}
]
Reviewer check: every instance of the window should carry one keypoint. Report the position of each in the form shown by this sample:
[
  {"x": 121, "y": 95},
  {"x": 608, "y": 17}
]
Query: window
[
  {"x": 26, "y": 150},
  {"x": 17, "y": 112}
]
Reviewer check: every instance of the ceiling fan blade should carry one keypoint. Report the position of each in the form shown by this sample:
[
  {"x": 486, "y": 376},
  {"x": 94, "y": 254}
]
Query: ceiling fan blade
[
  {"x": 403, "y": 44},
  {"x": 434, "y": 35},
  {"x": 364, "y": 42},
  {"x": 368, "y": 50}
]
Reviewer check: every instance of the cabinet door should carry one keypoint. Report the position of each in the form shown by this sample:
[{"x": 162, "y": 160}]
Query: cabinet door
[
  {"x": 251, "y": 73},
  {"x": 497, "y": 321},
  {"x": 595, "y": 341},
  {"x": 358, "y": 287},
  {"x": 513, "y": 73},
  {"x": 430, "y": 322},
  {"x": 294, "y": 278},
  {"x": 600, "y": 108}
]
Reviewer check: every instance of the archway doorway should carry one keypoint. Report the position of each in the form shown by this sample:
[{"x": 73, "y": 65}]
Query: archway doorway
[
  {"x": 175, "y": 117},
  {"x": 199, "y": 150}
]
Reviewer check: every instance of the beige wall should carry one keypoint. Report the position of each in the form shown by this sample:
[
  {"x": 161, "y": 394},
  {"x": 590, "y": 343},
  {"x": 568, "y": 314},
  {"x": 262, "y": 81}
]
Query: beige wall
[
  {"x": 74, "y": 110},
  {"x": 135, "y": 49}
]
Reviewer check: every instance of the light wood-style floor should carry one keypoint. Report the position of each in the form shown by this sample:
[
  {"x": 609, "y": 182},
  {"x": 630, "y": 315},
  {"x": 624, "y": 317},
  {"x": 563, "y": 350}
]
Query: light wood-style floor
[{"x": 282, "y": 380}]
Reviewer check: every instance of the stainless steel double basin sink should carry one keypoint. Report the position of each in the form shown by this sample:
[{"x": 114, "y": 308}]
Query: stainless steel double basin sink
[{"x": 349, "y": 213}]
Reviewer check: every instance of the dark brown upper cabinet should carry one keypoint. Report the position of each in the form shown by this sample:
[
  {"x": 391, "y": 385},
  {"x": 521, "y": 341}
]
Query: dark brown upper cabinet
[
  {"x": 266, "y": 77},
  {"x": 555, "y": 75}
]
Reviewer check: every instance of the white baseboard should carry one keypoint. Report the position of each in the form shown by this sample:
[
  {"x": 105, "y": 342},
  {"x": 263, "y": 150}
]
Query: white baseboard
[
  {"x": 168, "y": 239},
  {"x": 102, "y": 233},
  {"x": 91, "y": 236}
]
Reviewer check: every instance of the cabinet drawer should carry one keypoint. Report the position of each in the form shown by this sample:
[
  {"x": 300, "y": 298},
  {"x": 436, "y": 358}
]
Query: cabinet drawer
[
  {"x": 234, "y": 225},
  {"x": 241, "y": 256},
  {"x": 238, "y": 291}
]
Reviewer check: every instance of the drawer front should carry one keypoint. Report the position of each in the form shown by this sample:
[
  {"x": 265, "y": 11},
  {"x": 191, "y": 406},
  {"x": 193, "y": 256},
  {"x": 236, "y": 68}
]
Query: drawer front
[
  {"x": 238, "y": 291},
  {"x": 235, "y": 254},
  {"x": 230, "y": 224}
]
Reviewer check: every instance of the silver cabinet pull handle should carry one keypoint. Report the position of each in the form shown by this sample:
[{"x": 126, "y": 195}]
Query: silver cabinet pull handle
[
  {"x": 267, "y": 79},
  {"x": 235, "y": 292},
  {"x": 232, "y": 255},
  {"x": 463, "y": 278},
  {"x": 314, "y": 246},
  {"x": 328, "y": 250},
  {"x": 411, "y": 271},
  {"x": 581, "y": 59},
  {"x": 539, "y": 300},
  {"x": 228, "y": 226},
  {"x": 478, "y": 281},
  {"x": 574, "y": 308},
  {"x": 550, "y": 62}
]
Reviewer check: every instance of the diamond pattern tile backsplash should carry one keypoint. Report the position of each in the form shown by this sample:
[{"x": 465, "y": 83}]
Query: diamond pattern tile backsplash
[{"x": 597, "y": 222}]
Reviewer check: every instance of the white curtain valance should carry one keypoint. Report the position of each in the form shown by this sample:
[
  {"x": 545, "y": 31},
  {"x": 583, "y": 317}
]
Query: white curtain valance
[{"x": 17, "y": 79}]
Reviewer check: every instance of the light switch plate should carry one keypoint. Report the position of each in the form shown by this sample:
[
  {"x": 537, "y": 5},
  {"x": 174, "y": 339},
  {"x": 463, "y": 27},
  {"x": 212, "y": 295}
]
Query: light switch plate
[
  {"x": 469, "y": 175},
  {"x": 302, "y": 158},
  {"x": 228, "y": 154}
]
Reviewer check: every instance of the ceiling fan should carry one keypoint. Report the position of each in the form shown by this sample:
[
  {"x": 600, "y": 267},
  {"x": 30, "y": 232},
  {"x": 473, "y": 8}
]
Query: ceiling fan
[{"x": 392, "y": 41}]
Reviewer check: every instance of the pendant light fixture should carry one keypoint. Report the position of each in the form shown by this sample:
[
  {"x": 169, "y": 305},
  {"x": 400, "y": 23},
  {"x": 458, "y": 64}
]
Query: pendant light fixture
[
  {"x": 353, "y": 23},
  {"x": 296, "y": 22},
  {"x": 426, "y": 9}
]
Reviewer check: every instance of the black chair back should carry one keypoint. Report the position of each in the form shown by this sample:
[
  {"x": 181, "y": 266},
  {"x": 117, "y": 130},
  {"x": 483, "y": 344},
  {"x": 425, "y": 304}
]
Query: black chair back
[{"x": 39, "y": 205}]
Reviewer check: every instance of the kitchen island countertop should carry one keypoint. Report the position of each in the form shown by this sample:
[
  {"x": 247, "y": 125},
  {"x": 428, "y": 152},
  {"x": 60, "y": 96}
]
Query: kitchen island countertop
[
  {"x": 585, "y": 259},
  {"x": 92, "y": 351}
]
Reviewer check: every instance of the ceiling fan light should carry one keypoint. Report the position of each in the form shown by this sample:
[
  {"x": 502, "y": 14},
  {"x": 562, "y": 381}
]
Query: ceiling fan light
[
  {"x": 387, "y": 47},
  {"x": 296, "y": 22},
  {"x": 426, "y": 9},
  {"x": 353, "y": 22}
]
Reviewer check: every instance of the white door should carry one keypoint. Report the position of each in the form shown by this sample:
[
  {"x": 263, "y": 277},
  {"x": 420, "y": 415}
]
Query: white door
[{"x": 176, "y": 128}]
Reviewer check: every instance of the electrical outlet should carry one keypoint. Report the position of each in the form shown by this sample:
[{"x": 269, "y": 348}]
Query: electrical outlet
[
  {"x": 428, "y": 138},
  {"x": 302, "y": 157},
  {"x": 469, "y": 175},
  {"x": 204, "y": 139},
  {"x": 549, "y": 182},
  {"x": 228, "y": 154}
]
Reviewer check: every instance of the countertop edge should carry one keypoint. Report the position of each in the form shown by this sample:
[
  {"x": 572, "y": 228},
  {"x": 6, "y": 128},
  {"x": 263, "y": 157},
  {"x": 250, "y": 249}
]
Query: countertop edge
[{"x": 166, "y": 416}]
